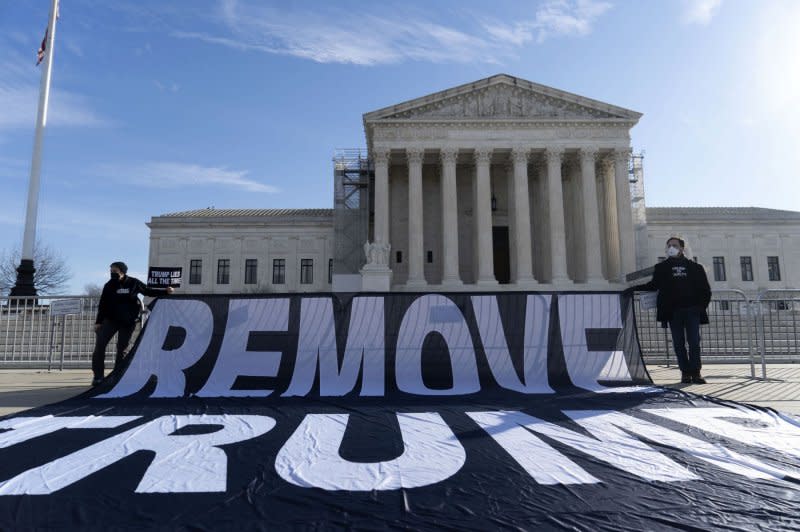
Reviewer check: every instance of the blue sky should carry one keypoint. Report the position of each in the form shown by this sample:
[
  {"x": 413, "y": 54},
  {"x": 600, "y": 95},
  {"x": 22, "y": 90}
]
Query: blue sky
[{"x": 168, "y": 105}]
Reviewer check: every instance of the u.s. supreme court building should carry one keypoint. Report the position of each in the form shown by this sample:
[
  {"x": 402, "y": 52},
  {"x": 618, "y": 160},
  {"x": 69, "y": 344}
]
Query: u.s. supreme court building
[{"x": 500, "y": 184}]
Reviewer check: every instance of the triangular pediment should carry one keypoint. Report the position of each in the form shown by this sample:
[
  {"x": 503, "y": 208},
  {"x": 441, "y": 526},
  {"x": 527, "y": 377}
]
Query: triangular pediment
[{"x": 502, "y": 97}]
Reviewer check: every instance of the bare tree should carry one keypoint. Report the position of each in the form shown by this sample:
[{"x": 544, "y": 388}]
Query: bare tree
[
  {"x": 93, "y": 289},
  {"x": 52, "y": 273}
]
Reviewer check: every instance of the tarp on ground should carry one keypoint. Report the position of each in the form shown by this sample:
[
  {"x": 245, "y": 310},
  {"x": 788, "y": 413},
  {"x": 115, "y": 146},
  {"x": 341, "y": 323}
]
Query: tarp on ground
[{"x": 416, "y": 411}]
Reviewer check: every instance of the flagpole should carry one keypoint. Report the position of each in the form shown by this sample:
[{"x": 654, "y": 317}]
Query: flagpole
[{"x": 24, "y": 285}]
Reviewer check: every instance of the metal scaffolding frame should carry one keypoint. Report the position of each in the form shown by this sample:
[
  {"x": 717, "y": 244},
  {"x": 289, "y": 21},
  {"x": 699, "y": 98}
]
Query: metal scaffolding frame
[{"x": 354, "y": 176}]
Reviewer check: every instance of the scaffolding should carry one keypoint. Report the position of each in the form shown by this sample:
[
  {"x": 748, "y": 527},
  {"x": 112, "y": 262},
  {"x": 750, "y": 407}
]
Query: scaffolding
[
  {"x": 638, "y": 208},
  {"x": 354, "y": 175}
]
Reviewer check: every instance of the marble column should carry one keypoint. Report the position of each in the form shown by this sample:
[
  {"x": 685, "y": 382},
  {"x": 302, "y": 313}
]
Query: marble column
[
  {"x": 450, "y": 274},
  {"x": 376, "y": 276},
  {"x": 627, "y": 243},
  {"x": 610, "y": 209},
  {"x": 416, "y": 274},
  {"x": 483, "y": 217},
  {"x": 591, "y": 217},
  {"x": 381, "y": 224},
  {"x": 522, "y": 219},
  {"x": 558, "y": 233}
]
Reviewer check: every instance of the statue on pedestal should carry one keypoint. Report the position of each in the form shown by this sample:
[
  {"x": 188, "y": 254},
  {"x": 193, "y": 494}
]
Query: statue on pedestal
[{"x": 377, "y": 255}]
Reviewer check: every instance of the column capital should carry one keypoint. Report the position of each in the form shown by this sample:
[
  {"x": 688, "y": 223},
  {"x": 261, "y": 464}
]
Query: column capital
[
  {"x": 381, "y": 155},
  {"x": 606, "y": 160},
  {"x": 621, "y": 155},
  {"x": 588, "y": 154},
  {"x": 520, "y": 155},
  {"x": 483, "y": 155},
  {"x": 553, "y": 154},
  {"x": 414, "y": 155},
  {"x": 448, "y": 155}
]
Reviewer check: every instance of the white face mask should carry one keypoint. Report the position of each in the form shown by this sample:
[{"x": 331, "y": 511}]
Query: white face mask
[{"x": 672, "y": 251}]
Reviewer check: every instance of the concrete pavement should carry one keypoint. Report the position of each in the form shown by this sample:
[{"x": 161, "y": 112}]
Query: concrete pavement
[
  {"x": 780, "y": 390},
  {"x": 22, "y": 389}
]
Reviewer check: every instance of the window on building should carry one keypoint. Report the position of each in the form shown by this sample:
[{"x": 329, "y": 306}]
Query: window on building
[
  {"x": 278, "y": 271},
  {"x": 306, "y": 271},
  {"x": 724, "y": 305},
  {"x": 399, "y": 257},
  {"x": 430, "y": 257},
  {"x": 780, "y": 304},
  {"x": 224, "y": 271},
  {"x": 774, "y": 269},
  {"x": 719, "y": 268},
  {"x": 195, "y": 271},
  {"x": 250, "y": 271},
  {"x": 330, "y": 271},
  {"x": 747, "y": 268}
]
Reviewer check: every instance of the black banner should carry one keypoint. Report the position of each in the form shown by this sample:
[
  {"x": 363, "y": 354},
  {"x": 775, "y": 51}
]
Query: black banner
[
  {"x": 163, "y": 277},
  {"x": 457, "y": 411}
]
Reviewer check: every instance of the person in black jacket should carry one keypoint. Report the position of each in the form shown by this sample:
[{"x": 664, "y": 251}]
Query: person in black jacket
[
  {"x": 117, "y": 313},
  {"x": 683, "y": 296}
]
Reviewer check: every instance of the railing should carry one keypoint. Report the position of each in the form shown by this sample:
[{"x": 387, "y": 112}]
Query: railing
[
  {"x": 729, "y": 336},
  {"x": 776, "y": 316},
  {"x": 43, "y": 332}
]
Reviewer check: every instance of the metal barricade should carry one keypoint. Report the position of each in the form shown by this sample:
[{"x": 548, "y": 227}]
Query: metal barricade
[
  {"x": 777, "y": 319},
  {"x": 38, "y": 332},
  {"x": 729, "y": 336}
]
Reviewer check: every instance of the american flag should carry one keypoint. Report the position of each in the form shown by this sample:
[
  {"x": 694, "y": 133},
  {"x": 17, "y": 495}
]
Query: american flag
[
  {"x": 42, "y": 49},
  {"x": 43, "y": 46}
]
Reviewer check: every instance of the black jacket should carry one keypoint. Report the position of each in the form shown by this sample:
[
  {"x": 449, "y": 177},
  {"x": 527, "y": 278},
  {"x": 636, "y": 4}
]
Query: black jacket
[
  {"x": 120, "y": 302},
  {"x": 663, "y": 282}
]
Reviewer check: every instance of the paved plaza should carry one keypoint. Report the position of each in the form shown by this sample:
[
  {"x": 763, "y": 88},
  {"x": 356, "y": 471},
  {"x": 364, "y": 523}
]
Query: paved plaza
[{"x": 23, "y": 389}]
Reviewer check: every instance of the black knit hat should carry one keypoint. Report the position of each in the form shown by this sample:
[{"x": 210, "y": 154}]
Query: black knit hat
[
  {"x": 121, "y": 266},
  {"x": 680, "y": 241}
]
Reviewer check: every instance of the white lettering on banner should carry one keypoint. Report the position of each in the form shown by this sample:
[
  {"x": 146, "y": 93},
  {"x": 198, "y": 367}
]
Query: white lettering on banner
[
  {"x": 537, "y": 324},
  {"x": 364, "y": 352},
  {"x": 597, "y": 423},
  {"x": 578, "y": 312},
  {"x": 193, "y": 463},
  {"x": 182, "y": 463},
  {"x": 415, "y": 327},
  {"x": 244, "y": 316},
  {"x": 316, "y": 346},
  {"x": 151, "y": 359},
  {"x": 26, "y": 428},
  {"x": 310, "y": 458},
  {"x": 767, "y": 429},
  {"x": 511, "y": 430},
  {"x": 609, "y": 445}
]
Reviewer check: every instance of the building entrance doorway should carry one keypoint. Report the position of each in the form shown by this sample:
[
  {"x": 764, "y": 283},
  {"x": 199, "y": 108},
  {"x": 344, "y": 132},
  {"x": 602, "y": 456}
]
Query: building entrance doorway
[{"x": 502, "y": 254}]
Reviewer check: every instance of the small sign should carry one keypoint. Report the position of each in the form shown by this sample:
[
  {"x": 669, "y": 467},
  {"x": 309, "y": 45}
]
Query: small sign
[
  {"x": 64, "y": 307},
  {"x": 640, "y": 274},
  {"x": 647, "y": 300},
  {"x": 164, "y": 277}
]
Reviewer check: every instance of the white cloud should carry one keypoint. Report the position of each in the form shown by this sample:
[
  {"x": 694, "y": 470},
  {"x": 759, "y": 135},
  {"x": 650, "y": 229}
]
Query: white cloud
[
  {"x": 554, "y": 18},
  {"x": 166, "y": 87},
  {"x": 365, "y": 40},
  {"x": 14, "y": 168},
  {"x": 161, "y": 174},
  {"x": 371, "y": 38},
  {"x": 700, "y": 11},
  {"x": 19, "y": 97},
  {"x": 88, "y": 221},
  {"x": 568, "y": 17}
]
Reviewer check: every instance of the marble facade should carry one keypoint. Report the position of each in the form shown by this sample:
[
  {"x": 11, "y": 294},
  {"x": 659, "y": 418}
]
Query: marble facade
[{"x": 501, "y": 174}]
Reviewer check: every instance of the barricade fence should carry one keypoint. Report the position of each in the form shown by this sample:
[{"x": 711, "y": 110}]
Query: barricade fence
[
  {"x": 51, "y": 332},
  {"x": 58, "y": 331}
]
